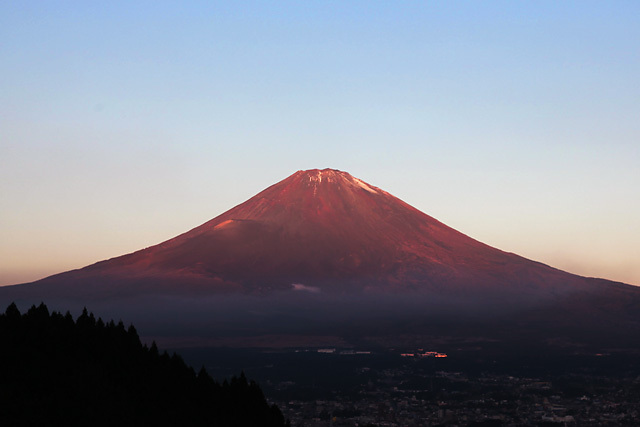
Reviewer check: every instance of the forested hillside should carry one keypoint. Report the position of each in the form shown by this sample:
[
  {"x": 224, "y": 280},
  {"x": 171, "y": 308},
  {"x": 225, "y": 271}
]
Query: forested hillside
[{"x": 55, "y": 370}]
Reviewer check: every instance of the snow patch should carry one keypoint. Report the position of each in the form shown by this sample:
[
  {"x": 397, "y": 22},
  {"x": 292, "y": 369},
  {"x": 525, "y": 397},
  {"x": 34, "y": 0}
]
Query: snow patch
[
  {"x": 317, "y": 178},
  {"x": 361, "y": 184}
]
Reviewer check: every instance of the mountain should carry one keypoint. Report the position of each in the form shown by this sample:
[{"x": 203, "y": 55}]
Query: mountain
[
  {"x": 321, "y": 230},
  {"x": 331, "y": 243}
]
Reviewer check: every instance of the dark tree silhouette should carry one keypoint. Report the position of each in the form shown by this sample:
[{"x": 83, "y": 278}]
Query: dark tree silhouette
[{"x": 57, "y": 371}]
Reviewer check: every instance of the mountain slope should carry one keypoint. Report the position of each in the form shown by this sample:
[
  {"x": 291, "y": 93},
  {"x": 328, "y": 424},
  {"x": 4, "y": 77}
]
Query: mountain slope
[
  {"x": 323, "y": 229},
  {"x": 322, "y": 252}
]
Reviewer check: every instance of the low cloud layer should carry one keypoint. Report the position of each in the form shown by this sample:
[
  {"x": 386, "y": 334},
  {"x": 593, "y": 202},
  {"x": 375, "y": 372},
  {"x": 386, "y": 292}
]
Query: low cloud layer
[{"x": 305, "y": 288}]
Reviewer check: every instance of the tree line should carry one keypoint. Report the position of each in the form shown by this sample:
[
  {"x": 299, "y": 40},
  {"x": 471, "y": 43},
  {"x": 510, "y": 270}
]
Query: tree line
[{"x": 55, "y": 370}]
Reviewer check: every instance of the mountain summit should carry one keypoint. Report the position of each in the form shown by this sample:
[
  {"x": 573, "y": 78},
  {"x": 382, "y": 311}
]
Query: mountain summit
[{"x": 320, "y": 231}]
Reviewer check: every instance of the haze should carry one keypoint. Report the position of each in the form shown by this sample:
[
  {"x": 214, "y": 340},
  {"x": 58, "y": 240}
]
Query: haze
[{"x": 124, "y": 125}]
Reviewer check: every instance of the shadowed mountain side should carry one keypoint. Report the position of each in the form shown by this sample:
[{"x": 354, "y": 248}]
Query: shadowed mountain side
[{"x": 607, "y": 317}]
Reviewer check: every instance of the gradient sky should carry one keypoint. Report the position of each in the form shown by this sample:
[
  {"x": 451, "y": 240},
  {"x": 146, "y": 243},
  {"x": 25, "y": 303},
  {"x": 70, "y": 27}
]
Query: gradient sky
[{"x": 123, "y": 124}]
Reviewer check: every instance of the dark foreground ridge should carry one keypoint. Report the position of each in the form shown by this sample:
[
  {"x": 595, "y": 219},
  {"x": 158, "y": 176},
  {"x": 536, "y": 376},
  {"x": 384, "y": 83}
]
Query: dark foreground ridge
[{"x": 57, "y": 371}]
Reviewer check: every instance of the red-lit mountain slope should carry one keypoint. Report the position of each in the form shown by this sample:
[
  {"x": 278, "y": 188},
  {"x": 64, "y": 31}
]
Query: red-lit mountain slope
[{"x": 321, "y": 231}]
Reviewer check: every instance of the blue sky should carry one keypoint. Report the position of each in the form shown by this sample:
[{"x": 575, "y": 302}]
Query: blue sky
[{"x": 123, "y": 124}]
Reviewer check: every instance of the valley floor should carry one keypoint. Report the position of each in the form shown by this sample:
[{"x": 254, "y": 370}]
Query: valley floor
[{"x": 412, "y": 387}]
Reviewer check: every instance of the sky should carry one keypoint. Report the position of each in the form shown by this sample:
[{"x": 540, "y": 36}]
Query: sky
[{"x": 123, "y": 124}]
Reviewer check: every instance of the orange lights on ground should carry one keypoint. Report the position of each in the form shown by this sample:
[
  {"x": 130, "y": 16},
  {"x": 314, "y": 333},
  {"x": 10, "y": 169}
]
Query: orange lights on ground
[{"x": 424, "y": 354}]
